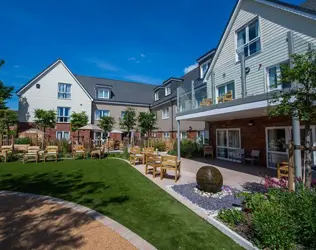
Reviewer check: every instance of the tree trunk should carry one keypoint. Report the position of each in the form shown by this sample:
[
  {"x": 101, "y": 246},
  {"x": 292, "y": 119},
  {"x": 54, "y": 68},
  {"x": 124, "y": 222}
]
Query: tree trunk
[
  {"x": 78, "y": 137},
  {"x": 44, "y": 130},
  {"x": 308, "y": 155}
]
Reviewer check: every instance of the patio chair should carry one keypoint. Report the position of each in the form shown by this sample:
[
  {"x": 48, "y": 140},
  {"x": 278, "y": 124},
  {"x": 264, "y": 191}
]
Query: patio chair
[
  {"x": 97, "y": 152},
  {"x": 283, "y": 170},
  {"x": 208, "y": 150},
  {"x": 153, "y": 162},
  {"x": 51, "y": 151},
  {"x": 220, "y": 99},
  {"x": 136, "y": 155},
  {"x": 146, "y": 151},
  {"x": 254, "y": 156},
  {"x": 78, "y": 150},
  {"x": 170, "y": 162},
  {"x": 5, "y": 151},
  {"x": 32, "y": 152},
  {"x": 228, "y": 97}
]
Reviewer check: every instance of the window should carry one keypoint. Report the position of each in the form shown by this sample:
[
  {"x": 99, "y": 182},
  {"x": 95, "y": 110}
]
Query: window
[
  {"x": 168, "y": 89},
  {"x": 154, "y": 134},
  {"x": 204, "y": 68},
  {"x": 101, "y": 113},
  {"x": 63, "y": 114},
  {"x": 248, "y": 39},
  {"x": 273, "y": 77},
  {"x": 227, "y": 88},
  {"x": 183, "y": 135},
  {"x": 103, "y": 93},
  {"x": 62, "y": 135},
  {"x": 165, "y": 113},
  {"x": 166, "y": 135},
  {"x": 122, "y": 114},
  {"x": 64, "y": 90},
  {"x": 227, "y": 140},
  {"x": 156, "y": 96}
]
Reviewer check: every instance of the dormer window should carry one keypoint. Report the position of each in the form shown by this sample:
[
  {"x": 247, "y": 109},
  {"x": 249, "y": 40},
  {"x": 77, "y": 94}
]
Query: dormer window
[
  {"x": 168, "y": 90},
  {"x": 103, "y": 93},
  {"x": 204, "y": 68},
  {"x": 156, "y": 96}
]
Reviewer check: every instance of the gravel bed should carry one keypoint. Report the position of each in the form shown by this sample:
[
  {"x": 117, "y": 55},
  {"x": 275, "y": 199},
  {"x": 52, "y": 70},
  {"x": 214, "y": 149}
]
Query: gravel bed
[{"x": 211, "y": 204}]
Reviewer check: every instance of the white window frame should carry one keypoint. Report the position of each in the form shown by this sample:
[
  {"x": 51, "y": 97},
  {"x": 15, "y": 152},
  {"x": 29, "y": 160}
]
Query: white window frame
[
  {"x": 122, "y": 112},
  {"x": 104, "y": 91},
  {"x": 202, "y": 73},
  {"x": 63, "y": 135},
  {"x": 278, "y": 72},
  {"x": 165, "y": 114},
  {"x": 64, "y": 94},
  {"x": 63, "y": 116},
  {"x": 248, "y": 43},
  {"x": 156, "y": 95},
  {"x": 225, "y": 84},
  {"x": 101, "y": 111},
  {"x": 227, "y": 145},
  {"x": 185, "y": 135},
  {"x": 288, "y": 136},
  {"x": 168, "y": 89},
  {"x": 166, "y": 135}
]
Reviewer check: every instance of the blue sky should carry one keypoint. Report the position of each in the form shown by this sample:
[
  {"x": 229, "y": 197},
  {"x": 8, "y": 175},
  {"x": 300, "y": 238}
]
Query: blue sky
[{"x": 139, "y": 40}]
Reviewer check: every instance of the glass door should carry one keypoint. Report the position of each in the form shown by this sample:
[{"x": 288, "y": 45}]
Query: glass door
[
  {"x": 228, "y": 140},
  {"x": 277, "y": 139}
]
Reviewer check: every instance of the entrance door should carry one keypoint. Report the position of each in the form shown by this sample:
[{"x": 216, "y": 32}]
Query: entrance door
[{"x": 227, "y": 141}]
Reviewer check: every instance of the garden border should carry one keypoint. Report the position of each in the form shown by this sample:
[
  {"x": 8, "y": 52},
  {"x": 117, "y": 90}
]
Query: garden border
[
  {"x": 210, "y": 219},
  {"x": 124, "y": 232}
]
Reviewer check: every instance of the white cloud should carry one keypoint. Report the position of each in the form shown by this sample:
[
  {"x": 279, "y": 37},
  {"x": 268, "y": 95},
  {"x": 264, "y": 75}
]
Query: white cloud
[
  {"x": 17, "y": 66},
  {"x": 143, "y": 55},
  {"x": 143, "y": 79},
  {"x": 103, "y": 65},
  {"x": 132, "y": 59},
  {"x": 190, "y": 68}
]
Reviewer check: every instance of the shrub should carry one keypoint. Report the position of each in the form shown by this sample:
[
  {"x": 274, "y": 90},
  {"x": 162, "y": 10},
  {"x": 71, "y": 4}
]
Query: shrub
[
  {"x": 188, "y": 148},
  {"x": 252, "y": 202},
  {"x": 232, "y": 217},
  {"x": 23, "y": 140},
  {"x": 160, "y": 145},
  {"x": 273, "y": 227},
  {"x": 172, "y": 152}
]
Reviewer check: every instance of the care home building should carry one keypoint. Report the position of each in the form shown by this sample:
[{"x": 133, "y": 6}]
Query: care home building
[
  {"x": 57, "y": 88},
  {"x": 259, "y": 37}
]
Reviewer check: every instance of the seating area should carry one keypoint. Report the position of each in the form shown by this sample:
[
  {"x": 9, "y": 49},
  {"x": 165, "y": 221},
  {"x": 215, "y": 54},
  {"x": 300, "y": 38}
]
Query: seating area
[
  {"x": 155, "y": 162},
  {"x": 225, "y": 98}
]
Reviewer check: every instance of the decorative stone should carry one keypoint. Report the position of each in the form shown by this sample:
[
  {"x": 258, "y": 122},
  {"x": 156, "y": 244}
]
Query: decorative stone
[{"x": 209, "y": 179}]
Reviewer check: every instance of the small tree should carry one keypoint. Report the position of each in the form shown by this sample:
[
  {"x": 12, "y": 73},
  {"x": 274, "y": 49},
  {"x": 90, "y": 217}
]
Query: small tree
[
  {"x": 44, "y": 119},
  {"x": 299, "y": 100},
  {"x": 5, "y": 92},
  {"x": 78, "y": 120},
  {"x": 106, "y": 123},
  {"x": 128, "y": 122},
  {"x": 147, "y": 122},
  {"x": 7, "y": 118}
]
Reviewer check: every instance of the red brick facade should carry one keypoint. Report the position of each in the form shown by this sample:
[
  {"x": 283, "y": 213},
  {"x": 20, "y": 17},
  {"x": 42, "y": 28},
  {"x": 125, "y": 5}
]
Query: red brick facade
[{"x": 252, "y": 137}]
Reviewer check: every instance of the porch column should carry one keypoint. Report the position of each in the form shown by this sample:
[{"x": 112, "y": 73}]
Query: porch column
[
  {"x": 178, "y": 140},
  {"x": 295, "y": 118}
]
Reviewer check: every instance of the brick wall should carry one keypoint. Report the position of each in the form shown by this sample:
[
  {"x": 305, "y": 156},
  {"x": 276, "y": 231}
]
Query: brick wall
[{"x": 252, "y": 138}]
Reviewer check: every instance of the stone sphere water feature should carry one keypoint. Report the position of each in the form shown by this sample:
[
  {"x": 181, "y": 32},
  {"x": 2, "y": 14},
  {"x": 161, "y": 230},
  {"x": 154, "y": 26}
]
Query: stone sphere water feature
[{"x": 209, "y": 179}]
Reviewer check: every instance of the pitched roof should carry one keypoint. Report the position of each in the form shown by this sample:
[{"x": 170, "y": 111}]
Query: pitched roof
[
  {"x": 304, "y": 8},
  {"x": 44, "y": 72},
  {"x": 193, "y": 75},
  {"x": 122, "y": 91},
  {"x": 309, "y": 4}
]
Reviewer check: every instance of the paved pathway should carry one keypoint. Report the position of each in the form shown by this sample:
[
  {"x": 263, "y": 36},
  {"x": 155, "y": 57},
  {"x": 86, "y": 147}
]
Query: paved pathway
[
  {"x": 41, "y": 222},
  {"x": 234, "y": 174}
]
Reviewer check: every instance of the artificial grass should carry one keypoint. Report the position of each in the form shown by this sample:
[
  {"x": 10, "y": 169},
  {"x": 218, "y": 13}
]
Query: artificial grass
[{"x": 113, "y": 188}]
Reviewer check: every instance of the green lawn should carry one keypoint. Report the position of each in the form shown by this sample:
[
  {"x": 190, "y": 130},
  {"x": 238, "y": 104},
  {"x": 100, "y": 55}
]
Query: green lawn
[{"x": 115, "y": 189}]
